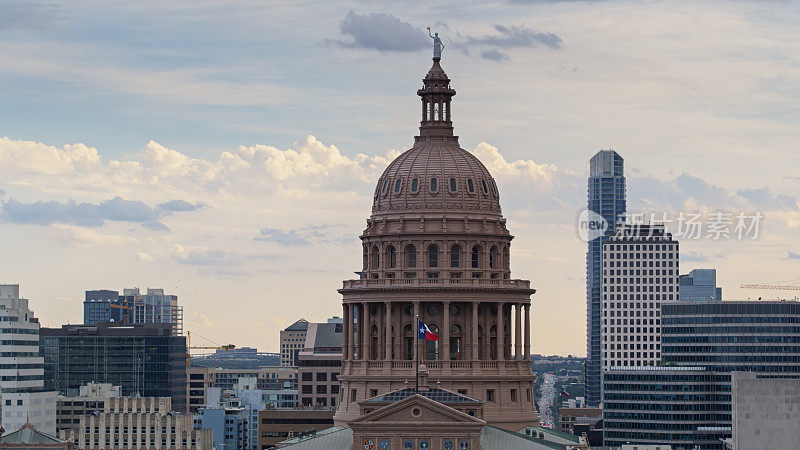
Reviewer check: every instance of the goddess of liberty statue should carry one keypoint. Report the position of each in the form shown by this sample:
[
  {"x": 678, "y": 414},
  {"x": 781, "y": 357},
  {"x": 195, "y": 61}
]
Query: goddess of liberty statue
[{"x": 437, "y": 44}]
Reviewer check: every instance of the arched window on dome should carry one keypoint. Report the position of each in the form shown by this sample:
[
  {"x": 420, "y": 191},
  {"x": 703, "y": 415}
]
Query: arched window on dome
[
  {"x": 436, "y": 115},
  {"x": 485, "y": 187},
  {"x": 476, "y": 257},
  {"x": 392, "y": 255},
  {"x": 471, "y": 186},
  {"x": 415, "y": 185},
  {"x": 375, "y": 258},
  {"x": 455, "y": 256},
  {"x": 453, "y": 185},
  {"x": 493, "y": 257},
  {"x": 433, "y": 255},
  {"x": 385, "y": 186},
  {"x": 456, "y": 352},
  {"x": 434, "y": 184},
  {"x": 411, "y": 256},
  {"x": 397, "y": 185}
]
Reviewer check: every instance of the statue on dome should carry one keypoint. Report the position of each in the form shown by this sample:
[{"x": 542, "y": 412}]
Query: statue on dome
[{"x": 437, "y": 44}]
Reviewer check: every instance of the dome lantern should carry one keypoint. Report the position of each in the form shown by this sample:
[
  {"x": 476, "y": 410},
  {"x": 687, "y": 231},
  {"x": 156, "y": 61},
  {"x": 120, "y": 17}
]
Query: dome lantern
[{"x": 436, "y": 95}]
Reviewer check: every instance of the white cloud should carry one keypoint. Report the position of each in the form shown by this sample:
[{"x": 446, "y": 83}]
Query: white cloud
[
  {"x": 70, "y": 234},
  {"x": 141, "y": 256}
]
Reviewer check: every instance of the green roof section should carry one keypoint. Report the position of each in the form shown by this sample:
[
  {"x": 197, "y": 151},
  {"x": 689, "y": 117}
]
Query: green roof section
[
  {"x": 552, "y": 432},
  {"x": 300, "y": 325},
  {"x": 334, "y": 438},
  {"x": 494, "y": 438},
  {"x": 29, "y": 435}
]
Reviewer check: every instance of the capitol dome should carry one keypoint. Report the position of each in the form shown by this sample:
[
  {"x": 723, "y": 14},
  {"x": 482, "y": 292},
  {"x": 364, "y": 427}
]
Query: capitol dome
[
  {"x": 436, "y": 174},
  {"x": 436, "y": 177},
  {"x": 436, "y": 251}
]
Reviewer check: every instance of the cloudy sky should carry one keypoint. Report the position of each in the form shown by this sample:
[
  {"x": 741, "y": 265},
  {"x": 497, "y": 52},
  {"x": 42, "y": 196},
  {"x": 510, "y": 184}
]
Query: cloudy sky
[{"x": 227, "y": 150}]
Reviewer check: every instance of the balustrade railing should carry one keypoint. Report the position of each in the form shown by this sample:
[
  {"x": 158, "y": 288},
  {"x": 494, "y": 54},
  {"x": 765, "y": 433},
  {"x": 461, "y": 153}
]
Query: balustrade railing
[
  {"x": 465, "y": 282},
  {"x": 406, "y": 366}
]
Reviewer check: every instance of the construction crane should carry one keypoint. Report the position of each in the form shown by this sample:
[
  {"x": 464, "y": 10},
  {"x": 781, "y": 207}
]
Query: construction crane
[
  {"x": 775, "y": 287},
  {"x": 190, "y": 347},
  {"x": 125, "y": 317}
]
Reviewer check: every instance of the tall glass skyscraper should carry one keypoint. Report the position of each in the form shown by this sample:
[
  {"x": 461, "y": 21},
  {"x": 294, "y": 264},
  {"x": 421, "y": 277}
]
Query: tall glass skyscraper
[{"x": 606, "y": 198}]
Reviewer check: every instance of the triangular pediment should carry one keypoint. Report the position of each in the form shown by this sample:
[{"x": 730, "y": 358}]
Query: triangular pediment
[{"x": 418, "y": 409}]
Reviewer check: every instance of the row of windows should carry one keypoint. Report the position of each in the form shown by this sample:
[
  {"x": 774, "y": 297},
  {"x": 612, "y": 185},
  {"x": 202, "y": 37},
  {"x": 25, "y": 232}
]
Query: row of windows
[
  {"x": 616, "y": 358},
  {"x": 639, "y": 296},
  {"x": 722, "y": 339},
  {"x": 653, "y": 256},
  {"x": 734, "y": 308},
  {"x": 687, "y": 320},
  {"x": 433, "y": 254},
  {"x": 733, "y": 349},
  {"x": 649, "y": 263},
  {"x": 725, "y": 358},
  {"x": 639, "y": 288},
  {"x": 638, "y": 272},
  {"x": 730, "y": 330},
  {"x": 637, "y": 281},
  {"x": 642, "y": 247},
  {"x": 608, "y": 395},
  {"x": 709, "y": 412},
  {"x": 433, "y": 185},
  {"x": 20, "y": 330}
]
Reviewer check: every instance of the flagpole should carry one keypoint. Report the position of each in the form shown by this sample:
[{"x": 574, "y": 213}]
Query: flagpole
[{"x": 416, "y": 375}]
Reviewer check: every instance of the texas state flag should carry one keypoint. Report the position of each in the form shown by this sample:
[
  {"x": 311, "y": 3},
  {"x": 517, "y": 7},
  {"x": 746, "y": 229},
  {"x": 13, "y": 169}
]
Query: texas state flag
[{"x": 425, "y": 332}]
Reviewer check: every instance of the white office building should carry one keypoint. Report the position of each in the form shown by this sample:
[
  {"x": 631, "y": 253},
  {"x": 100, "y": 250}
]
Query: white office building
[
  {"x": 640, "y": 271},
  {"x": 21, "y": 368}
]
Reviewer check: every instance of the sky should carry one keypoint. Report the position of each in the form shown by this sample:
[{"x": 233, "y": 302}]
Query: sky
[{"x": 227, "y": 151}]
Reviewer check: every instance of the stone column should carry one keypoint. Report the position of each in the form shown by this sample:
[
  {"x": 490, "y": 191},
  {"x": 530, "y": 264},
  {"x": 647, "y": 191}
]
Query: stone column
[
  {"x": 445, "y": 333},
  {"x": 388, "y": 347},
  {"x": 501, "y": 348},
  {"x": 366, "y": 337},
  {"x": 345, "y": 330},
  {"x": 474, "y": 331},
  {"x": 518, "y": 332},
  {"x": 414, "y": 327},
  {"x": 527, "y": 331}
]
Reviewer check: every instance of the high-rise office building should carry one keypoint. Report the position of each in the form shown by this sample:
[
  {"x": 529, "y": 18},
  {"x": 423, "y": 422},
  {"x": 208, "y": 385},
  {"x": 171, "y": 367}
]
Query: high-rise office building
[
  {"x": 319, "y": 364},
  {"x": 154, "y": 307},
  {"x": 22, "y": 392},
  {"x": 699, "y": 285},
  {"x": 606, "y": 197},
  {"x": 685, "y": 407},
  {"x": 133, "y": 307},
  {"x": 687, "y": 401},
  {"x": 141, "y": 422},
  {"x": 292, "y": 339},
  {"x": 747, "y": 336},
  {"x": 144, "y": 360},
  {"x": 104, "y": 306},
  {"x": 640, "y": 271}
]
